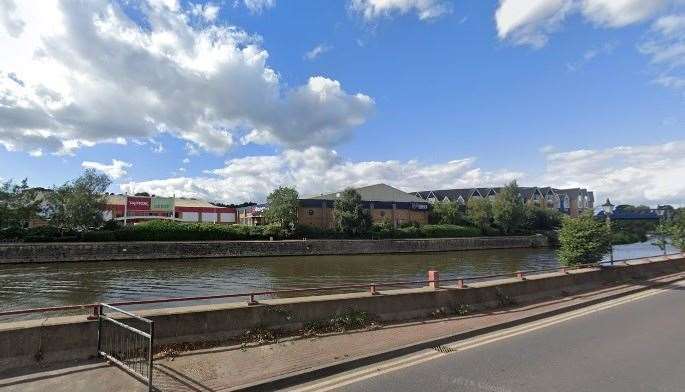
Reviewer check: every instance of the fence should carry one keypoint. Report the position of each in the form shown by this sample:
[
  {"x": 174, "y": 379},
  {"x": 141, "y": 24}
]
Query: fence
[{"x": 127, "y": 342}]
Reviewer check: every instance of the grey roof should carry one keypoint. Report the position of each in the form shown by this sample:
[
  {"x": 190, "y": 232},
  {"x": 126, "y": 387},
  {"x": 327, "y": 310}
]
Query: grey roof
[{"x": 377, "y": 192}]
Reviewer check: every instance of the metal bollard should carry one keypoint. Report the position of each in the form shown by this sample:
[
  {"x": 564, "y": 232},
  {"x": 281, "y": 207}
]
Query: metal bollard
[
  {"x": 372, "y": 290},
  {"x": 252, "y": 300},
  {"x": 460, "y": 284},
  {"x": 520, "y": 275},
  {"x": 434, "y": 279}
]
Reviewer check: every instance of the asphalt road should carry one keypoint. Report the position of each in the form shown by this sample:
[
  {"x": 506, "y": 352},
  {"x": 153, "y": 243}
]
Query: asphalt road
[{"x": 637, "y": 344}]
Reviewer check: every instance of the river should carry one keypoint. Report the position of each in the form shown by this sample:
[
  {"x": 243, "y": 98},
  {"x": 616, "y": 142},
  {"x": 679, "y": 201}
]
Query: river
[{"x": 56, "y": 284}]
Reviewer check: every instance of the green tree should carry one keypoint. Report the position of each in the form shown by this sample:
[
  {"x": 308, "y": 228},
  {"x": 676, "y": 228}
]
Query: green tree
[
  {"x": 540, "y": 218},
  {"x": 508, "y": 210},
  {"x": 662, "y": 232},
  {"x": 479, "y": 212},
  {"x": 18, "y": 205},
  {"x": 446, "y": 213},
  {"x": 78, "y": 204},
  {"x": 677, "y": 229},
  {"x": 282, "y": 207},
  {"x": 350, "y": 215},
  {"x": 583, "y": 240}
]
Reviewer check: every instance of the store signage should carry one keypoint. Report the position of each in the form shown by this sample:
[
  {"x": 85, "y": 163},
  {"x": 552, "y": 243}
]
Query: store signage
[{"x": 134, "y": 203}]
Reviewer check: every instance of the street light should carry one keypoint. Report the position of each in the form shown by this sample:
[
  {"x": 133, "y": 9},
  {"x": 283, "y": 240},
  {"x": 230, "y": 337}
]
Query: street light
[{"x": 608, "y": 210}]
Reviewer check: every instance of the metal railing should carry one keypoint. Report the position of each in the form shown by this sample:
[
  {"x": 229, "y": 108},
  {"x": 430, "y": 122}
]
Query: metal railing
[
  {"x": 127, "y": 342},
  {"x": 460, "y": 282}
]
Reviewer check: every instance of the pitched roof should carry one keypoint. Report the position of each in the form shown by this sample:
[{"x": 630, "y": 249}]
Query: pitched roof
[{"x": 377, "y": 192}]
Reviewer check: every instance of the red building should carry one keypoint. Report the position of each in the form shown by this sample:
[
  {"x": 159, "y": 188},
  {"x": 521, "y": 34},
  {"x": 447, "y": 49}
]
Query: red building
[{"x": 134, "y": 209}]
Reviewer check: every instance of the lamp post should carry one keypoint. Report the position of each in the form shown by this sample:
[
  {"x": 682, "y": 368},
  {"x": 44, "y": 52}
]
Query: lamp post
[{"x": 608, "y": 210}]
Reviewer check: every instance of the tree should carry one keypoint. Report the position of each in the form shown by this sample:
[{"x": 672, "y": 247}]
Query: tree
[
  {"x": 677, "y": 229},
  {"x": 446, "y": 213},
  {"x": 540, "y": 218},
  {"x": 479, "y": 212},
  {"x": 78, "y": 204},
  {"x": 583, "y": 240},
  {"x": 662, "y": 231},
  {"x": 508, "y": 210},
  {"x": 18, "y": 205},
  {"x": 282, "y": 207},
  {"x": 350, "y": 215}
]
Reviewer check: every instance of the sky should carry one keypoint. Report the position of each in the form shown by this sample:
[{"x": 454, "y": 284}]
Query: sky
[{"x": 226, "y": 100}]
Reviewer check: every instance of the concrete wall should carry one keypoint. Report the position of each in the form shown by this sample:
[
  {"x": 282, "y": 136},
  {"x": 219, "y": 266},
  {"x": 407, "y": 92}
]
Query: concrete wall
[
  {"x": 28, "y": 343},
  {"x": 91, "y": 251}
]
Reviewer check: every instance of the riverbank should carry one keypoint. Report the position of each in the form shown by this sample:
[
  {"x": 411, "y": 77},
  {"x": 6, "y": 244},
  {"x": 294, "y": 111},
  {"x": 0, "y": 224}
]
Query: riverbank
[{"x": 112, "y": 251}]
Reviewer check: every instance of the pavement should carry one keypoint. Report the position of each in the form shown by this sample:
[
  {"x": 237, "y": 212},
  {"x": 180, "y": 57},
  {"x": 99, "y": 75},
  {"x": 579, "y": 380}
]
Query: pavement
[{"x": 298, "y": 360}]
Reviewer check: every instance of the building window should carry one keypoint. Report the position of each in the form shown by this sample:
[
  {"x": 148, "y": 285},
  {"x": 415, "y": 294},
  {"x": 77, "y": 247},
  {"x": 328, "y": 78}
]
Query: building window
[{"x": 310, "y": 212}]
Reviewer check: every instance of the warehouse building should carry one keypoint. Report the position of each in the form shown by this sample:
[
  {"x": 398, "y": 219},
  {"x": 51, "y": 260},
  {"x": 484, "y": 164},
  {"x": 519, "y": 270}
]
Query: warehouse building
[
  {"x": 135, "y": 209},
  {"x": 384, "y": 202}
]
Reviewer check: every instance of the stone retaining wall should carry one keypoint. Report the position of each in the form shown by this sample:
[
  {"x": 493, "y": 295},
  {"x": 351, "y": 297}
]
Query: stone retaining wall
[
  {"x": 36, "y": 342},
  {"x": 104, "y": 251}
]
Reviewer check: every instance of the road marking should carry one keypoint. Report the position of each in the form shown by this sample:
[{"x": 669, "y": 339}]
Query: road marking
[{"x": 425, "y": 356}]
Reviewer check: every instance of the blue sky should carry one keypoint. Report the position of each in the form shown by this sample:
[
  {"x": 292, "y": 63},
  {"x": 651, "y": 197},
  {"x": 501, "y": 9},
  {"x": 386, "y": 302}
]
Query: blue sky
[{"x": 454, "y": 93}]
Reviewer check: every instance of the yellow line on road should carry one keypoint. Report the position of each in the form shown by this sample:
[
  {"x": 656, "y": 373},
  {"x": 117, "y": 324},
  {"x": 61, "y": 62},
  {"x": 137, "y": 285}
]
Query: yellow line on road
[{"x": 424, "y": 356}]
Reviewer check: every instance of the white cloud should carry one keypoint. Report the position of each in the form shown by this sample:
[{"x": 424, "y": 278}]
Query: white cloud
[
  {"x": 208, "y": 11},
  {"x": 258, "y": 6},
  {"x": 115, "y": 170},
  {"x": 318, "y": 170},
  {"x": 86, "y": 73},
  {"x": 665, "y": 46},
  {"x": 424, "y": 9},
  {"x": 530, "y": 22},
  {"x": 317, "y": 51},
  {"x": 649, "y": 174},
  {"x": 186, "y": 161}
]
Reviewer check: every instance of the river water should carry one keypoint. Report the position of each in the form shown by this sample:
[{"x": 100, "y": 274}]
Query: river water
[{"x": 56, "y": 284}]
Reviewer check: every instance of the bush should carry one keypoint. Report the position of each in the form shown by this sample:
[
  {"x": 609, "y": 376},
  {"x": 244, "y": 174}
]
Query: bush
[
  {"x": 49, "y": 234},
  {"x": 12, "y": 233},
  {"x": 583, "y": 240}
]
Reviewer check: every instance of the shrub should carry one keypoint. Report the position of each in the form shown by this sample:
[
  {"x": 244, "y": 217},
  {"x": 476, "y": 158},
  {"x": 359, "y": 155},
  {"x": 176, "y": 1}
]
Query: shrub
[
  {"x": 583, "y": 240},
  {"x": 48, "y": 234}
]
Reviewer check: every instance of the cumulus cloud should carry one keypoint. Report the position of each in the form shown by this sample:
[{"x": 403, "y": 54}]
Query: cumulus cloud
[
  {"x": 648, "y": 174},
  {"x": 317, "y": 51},
  {"x": 115, "y": 170},
  {"x": 208, "y": 11},
  {"x": 530, "y": 22},
  {"x": 318, "y": 170},
  {"x": 424, "y": 9},
  {"x": 80, "y": 73}
]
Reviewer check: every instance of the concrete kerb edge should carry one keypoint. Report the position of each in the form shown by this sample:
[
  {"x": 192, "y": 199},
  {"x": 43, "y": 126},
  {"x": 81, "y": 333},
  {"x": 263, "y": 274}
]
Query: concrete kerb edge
[{"x": 312, "y": 374}]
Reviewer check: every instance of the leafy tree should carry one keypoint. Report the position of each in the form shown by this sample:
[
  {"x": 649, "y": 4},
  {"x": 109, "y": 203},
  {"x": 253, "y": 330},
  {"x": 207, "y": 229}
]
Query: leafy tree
[
  {"x": 282, "y": 207},
  {"x": 142, "y": 194},
  {"x": 539, "y": 218},
  {"x": 18, "y": 205},
  {"x": 662, "y": 231},
  {"x": 583, "y": 240},
  {"x": 350, "y": 215},
  {"x": 677, "y": 229},
  {"x": 508, "y": 210},
  {"x": 446, "y": 213},
  {"x": 479, "y": 212},
  {"x": 78, "y": 204}
]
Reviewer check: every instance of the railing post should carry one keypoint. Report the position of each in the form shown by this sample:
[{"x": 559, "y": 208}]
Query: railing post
[
  {"x": 252, "y": 301},
  {"x": 372, "y": 290},
  {"x": 564, "y": 270},
  {"x": 96, "y": 313},
  {"x": 434, "y": 279},
  {"x": 520, "y": 275},
  {"x": 460, "y": 284}
]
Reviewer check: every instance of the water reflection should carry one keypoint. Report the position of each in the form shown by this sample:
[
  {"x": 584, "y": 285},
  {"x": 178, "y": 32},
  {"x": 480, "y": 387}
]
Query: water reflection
[{"x": 41, "y": 285}]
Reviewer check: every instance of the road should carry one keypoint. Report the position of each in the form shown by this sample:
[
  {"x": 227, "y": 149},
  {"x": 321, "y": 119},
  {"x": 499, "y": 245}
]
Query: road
[{"x": 635, "y": 343}]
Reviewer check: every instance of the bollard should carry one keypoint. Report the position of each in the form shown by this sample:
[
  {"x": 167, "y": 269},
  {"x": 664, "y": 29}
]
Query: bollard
[
  {"x": 372, "y": 290},
  {"x": 252, "y": 300},
  {"x": 434, "y": 279},
  {"x": 519, "y": 274},
  {"x": 460, "y": 284},
  {"x": 564, "y": 270}
]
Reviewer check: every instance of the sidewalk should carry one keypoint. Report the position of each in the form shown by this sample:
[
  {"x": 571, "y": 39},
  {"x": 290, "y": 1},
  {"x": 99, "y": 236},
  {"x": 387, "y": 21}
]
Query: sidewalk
[{"x": 228, "y": 368}]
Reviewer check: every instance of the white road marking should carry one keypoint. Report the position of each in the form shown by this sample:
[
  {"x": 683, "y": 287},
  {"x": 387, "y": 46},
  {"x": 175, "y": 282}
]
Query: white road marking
[{"x": 427, "y": 355}]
